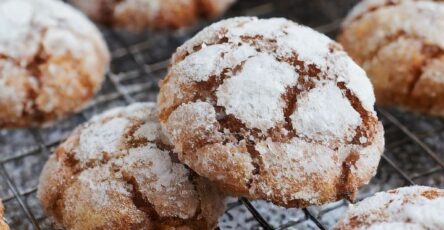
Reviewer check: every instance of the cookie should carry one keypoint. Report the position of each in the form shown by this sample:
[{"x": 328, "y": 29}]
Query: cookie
[
  {"x": 410, "y": 208},
  {"x": 118, "y": 171},
  {"x": 52, "y": 60},
  {"x": 3, "y": 225},
  {"x": 400, "y": 45},
  {"x": 269, "y": 109},
  {"x": 154, "y": 14}
]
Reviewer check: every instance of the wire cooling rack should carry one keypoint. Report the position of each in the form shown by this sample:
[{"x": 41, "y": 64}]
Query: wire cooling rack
[{"x": 414, "y": 144}]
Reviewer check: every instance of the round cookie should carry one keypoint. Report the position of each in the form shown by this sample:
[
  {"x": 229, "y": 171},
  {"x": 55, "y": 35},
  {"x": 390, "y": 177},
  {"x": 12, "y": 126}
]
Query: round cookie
[
  {"x": 52, "y": 60},
  {"x": 155, "y": 14},
  {"x": 3, "y": 225},
  {"x": 400, "y": 45},
  {"x": 408, "y": 208},
  {"x": 117, "y": 171},
  {"x": 270, "y": 109}
]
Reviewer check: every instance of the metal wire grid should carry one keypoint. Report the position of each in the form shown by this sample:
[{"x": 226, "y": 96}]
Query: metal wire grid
[{"x": 134, "y": 74}]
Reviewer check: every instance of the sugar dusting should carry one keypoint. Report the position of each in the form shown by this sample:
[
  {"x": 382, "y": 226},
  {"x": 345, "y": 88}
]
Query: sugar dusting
[
  {"x": 99, "y": 185},
  {"x": 15, "y": 16},
  {"x": 344, "y": 67},
  {"x": 20, "y": 18},
  {"x": 69, "y": 45},
  {"x": 212, "y": 60},
  {"x": 363, "y": 7},
  {"x": 413, "y": 18},
  {"x": 152, "y": 7},
  {"x": 266, "y": 63},
  {"x": 276, "y": 38},
  {"x": 254, "y": 94},
  {"x": 165, "y": 184},
  {"x": 101, "y": 138},
  {"x": 163, "y": 169},
  {"x": 324, "y": 114},
  {"x": 298, "y": 161},
  {"x": 402, "y": 208},
  {"x": 110, "y": 159}
]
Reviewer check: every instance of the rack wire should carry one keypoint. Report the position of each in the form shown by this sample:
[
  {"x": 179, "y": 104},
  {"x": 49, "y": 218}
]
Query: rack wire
[{"x": 414, "y": 151}]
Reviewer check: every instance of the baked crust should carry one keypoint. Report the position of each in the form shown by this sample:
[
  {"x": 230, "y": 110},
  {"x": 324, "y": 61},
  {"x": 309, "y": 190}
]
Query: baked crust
[
  {"x": 154, "y": 14},
  {"x": 3, "y": 225},
  {"x": 400, "y": 45},
  {"x": 407, "y": 208},
  {"x": 272, "y": 110},
  {"x": 118, "y": 171},
  {"x": 51, "y": 62}
]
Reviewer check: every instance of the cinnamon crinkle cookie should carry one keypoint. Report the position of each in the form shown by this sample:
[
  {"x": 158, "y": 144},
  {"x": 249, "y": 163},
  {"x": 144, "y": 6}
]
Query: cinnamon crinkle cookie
[
  {"x": 118, "y": 171},
  {"x": 270, "y": 109},
  {"x": 408, "y": 208},
  {"x": 401, "y": 46},
  {"x": 3, "y": 225},
  {"x": 155, "y": 14},
  {"x": 52, "y": 60}
]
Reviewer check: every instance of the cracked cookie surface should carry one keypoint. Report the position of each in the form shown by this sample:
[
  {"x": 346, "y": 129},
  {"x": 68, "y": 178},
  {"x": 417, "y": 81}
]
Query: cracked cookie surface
[
  {"x": 400, "y": 45},
  {"x": 118, "y": 171},
  {"x": 407, "y": 208},
  {"x": 154, "y": 14},
  {"x": 3, "y": 225},
  {"x": 270, "y": 109},
  {"x": 52, "y": 60}
]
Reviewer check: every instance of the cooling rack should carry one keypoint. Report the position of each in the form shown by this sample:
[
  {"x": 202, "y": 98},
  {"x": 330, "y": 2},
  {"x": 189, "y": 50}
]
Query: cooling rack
[{"x": 414, "y": 144}]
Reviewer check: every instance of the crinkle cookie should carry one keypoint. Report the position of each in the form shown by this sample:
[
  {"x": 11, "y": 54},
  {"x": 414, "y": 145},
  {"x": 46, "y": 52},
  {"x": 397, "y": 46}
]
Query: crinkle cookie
[
  {"x": 117, "y": 171},
  {"x": 154, "y": 14},
  {"x": 52, "y": 60},
  {"x": 408, "y": 208},
  {"x": 270, "y": 109},
  {"x": 3, "y": 225},
  {"x": 401, "y": 46}
]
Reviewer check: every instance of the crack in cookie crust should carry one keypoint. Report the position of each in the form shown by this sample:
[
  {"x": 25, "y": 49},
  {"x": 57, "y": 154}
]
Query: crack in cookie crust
[
  {"x": 215, "y": 104},
  {"x": 412, "y": 207},
  {"x": 122, "y": 167}
]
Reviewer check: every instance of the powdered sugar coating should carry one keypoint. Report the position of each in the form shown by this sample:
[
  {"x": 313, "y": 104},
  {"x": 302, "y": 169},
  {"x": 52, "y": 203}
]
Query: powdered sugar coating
[
  {"x": 287, "y": 38},
  {"x": 19, "y": 20},
  {"x": 365, "y": 6},
  {"x": 262, "y": 80},
  {"x": 200, "y": 66},
  {"x": 52, "y": 59},
  {"x": 411, "y": 17},
  {"x": 399, "y": 44},
  {"x": 115, "y": 172},
  {"x": 415, "y": 207},
  {"x": 99, "y": 138},
  {"x": 323, "y": 114},
  {"x": 372, "y": 5},
  {"x": 262, "y": 96},
  {"x": 140, "y": 14}
]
